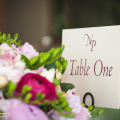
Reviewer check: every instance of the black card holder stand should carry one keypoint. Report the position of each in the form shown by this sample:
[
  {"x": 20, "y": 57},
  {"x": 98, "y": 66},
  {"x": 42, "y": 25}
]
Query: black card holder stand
[{"x": 88, "y": 93}]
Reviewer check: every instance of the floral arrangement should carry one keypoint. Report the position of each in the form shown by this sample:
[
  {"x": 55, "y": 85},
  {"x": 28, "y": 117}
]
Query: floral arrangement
[{"x": 30, "y": 87}]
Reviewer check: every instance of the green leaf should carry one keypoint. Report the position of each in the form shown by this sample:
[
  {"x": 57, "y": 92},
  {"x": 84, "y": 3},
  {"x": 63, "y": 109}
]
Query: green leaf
[
  {"x": 93, "y": 112},
  {"x": 51, "y": 65},
  {"x": 27, "y": 97},
  {"x": 66, "y": 86},
  {"x": 25, "y": 59},
  {"x": 67, "y": 108},
  {"x": 60, "y": 68},
  {"x": 56, "y": 51},
  {"x": 64, "y": 104},
  {"x": 10, "y": 41},
  {"x": 62, "y": 60},
  {"x": 82, "y": 104},
  {"x": 29, "y": 88},
  {"x": 56, "y": 101},
  {"x": 56, "y": 82},
  {"x": 61, "y": 99},
  {"x": 41, "y": 54},
  {"x": 34, "y": 60},
  {"x": 65, "y": 64},
  {"x": 38, "y": 96},
  {"x": 90, "y": 108},
  {"x": 16, "y": 37},
  {"x": 51, "y": 50},
  {"x": 72, "y": 115},
  {"x": 44, "y": 57},
  {"x": 42, "y": 96},
  {"x": 4, "y": 36},
  {"x": 101, "y": 111},
  {"x": 8, "y": 36},
  {"x": 0, "y": 113},
  {"x": 61, "y": 49},
  {"x": 11, "y": 88},
  {"x": 19, "y": 42},
  {"x": 25, "y": 89},
  {"x": 57, "y": 63}
]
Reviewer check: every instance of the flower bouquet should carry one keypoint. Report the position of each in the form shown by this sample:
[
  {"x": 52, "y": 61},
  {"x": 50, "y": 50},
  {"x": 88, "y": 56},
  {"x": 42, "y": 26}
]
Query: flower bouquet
[{"x": 30, "y": 87}]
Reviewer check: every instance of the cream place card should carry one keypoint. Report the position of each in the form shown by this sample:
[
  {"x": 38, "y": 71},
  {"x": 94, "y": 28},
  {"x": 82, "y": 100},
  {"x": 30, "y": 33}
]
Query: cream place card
[{"x": 93, "y": 56}]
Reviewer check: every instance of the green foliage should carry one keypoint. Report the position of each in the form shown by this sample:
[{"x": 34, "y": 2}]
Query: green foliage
[
  {"x": 62, "y": 65},
  {"x": 82, "y": 104},
  {"x": 66, "y": 86},
  {"x": 44, "y": 59},
  {"x": 0, "y": 113},
  {"x": 95, "y": 113},
  {"x": 7, "y": 39},
  {"x": 26, "y": 61},
  {"x": 25, "y": 89},
  {"x": 27, "y": 97},
  {"x": 90, "y": 108},
  {"x": 51, "y": 65},
  {"x": 9, "y": 89},
  {"x": 56, "y": 82},
  {"x": 33, "y": 60},
  {"x": 62, "y": 107}
]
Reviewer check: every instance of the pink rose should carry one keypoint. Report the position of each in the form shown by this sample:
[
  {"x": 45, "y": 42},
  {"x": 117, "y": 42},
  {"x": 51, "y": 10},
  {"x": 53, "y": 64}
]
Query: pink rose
[
  {"x": 38, "y": 84},
  {"x": 6, "y": 60},
  {"x": 13, "y": 73},
  {"x": 73, "y": 101},
  {"x": 21, "y": 111},
  {"x": 6, "y": 49},
  {"x": 28, "y": 49}
]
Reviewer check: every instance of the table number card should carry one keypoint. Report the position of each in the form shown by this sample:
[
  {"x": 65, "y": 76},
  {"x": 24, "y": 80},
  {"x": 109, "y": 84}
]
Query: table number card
[{"x": 93, "y": 56}]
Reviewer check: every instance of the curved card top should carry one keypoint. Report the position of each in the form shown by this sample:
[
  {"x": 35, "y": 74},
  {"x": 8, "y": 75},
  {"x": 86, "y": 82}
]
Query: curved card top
[{"x": 93, "y": 56}]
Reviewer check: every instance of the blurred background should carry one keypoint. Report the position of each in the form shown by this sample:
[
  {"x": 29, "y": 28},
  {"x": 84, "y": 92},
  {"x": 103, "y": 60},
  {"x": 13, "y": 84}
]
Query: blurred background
[{"x": 40, "y": 22}]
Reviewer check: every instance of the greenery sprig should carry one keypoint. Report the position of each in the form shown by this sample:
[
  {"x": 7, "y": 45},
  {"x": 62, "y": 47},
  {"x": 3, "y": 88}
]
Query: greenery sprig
[
  {"x": 95, "y": 113},
  {"x": 7, "y": 39},
  {"x": 62, "y": 65},
  {"x": 61, "y": 106},
  {"x": 43, "y": 59}
]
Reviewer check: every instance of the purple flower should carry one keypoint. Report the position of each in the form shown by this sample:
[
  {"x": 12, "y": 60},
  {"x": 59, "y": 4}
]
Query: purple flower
[
  {"x": 21, "y": 111},
  {"x": 81, "y": 113}
]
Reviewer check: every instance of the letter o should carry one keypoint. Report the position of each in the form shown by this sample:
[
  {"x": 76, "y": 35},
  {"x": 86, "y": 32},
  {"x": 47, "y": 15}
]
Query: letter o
[
  {"x": 88, "y": 93},
  {"x": 101, "y": 67}
]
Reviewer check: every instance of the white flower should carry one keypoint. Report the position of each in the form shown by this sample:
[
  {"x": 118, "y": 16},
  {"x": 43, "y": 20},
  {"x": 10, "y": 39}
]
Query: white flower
[
  {"x": 48, "y": 74},
  {"x": 4, "y": 105},
  {"x": 3, "y": 81},
  {"x": 13, "y": 73},
  {"x": 17, "y": 58},
  {"x": 29, "y": 71},
  {"x": 58, "y": 74},
  {"x": 20, "y": 63}
]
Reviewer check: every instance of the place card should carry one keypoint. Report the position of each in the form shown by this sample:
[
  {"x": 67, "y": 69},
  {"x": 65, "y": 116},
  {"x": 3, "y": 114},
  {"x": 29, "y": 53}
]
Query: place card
[{"x": 93, "y": 56}]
